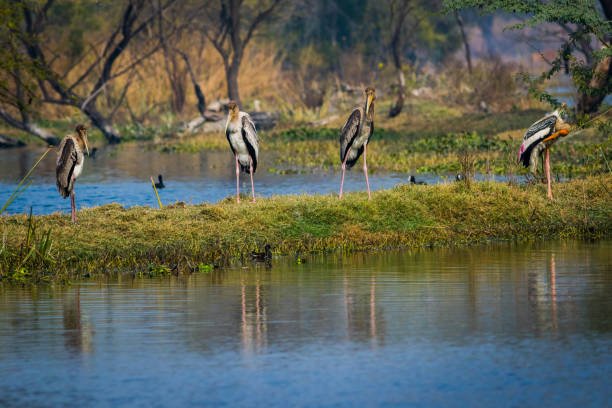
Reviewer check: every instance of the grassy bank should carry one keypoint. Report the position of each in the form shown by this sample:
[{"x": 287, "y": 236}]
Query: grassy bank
[{"x": 184, "y": 238}]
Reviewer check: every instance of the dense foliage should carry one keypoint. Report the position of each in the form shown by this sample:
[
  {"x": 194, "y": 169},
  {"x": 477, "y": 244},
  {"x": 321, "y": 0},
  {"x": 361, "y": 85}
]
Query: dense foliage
[
  {"x": 149, "y": 64},
  {"x": 585, "y": 52}
]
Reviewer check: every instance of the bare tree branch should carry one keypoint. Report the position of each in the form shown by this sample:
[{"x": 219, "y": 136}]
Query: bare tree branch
[{"x": 258, "y": 20}]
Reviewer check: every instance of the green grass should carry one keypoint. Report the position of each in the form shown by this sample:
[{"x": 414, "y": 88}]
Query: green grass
[{"x": 189, "y": 238}]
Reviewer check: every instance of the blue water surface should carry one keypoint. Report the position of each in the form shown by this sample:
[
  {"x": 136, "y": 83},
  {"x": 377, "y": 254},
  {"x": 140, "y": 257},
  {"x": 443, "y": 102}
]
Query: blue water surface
[
  {"x": 121, "y": 174},
  {"x": 500, "y": 325}
]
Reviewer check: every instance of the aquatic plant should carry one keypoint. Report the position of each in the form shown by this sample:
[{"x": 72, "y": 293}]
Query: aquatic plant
[
  {"x": 155, "y": 270},
  {"x": 205, "y": 268},
  {"x": 24, "y": 183},
  {"x": 30, "y": 259},
  {"x": 467, "y": 163},
  {"x": 156, "y": 193}
]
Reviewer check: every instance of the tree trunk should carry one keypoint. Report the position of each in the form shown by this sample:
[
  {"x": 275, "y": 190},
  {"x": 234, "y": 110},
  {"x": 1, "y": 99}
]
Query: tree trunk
[
  {"x": 396, "y": 109},
  {"x": 99, "y": 121},
  {"x": 466, "y": 44},
  {"x": 41, "y": 133},
  {"x": 196, "y": 87},
  {"x": 590, "y": 102},
  {"x": 231, "y": 74},
  {"x": 6, "y": 141},
  {"x": 176, "y": 79},
  {"x": 201, "y": 99},
  {"x": 27, "y": 126},
  {"x": 606, "y": 5}
]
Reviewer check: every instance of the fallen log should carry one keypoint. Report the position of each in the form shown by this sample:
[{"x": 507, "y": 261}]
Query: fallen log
[
  {"x": 265, "y": 120},
  {"x": 6, "y": 142}
]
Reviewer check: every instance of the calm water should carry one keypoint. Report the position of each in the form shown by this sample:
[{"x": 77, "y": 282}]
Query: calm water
[
  {"x": 514, "y": 326},
  {"x": 120, "y": 174}
]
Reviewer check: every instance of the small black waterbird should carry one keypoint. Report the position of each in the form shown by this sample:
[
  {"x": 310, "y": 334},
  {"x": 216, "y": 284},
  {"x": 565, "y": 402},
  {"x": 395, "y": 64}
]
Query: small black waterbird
[
  {"x": 262, "y": 256},
  {"x": 413, "y": 180},
  {"x": 160, "y": 183}
]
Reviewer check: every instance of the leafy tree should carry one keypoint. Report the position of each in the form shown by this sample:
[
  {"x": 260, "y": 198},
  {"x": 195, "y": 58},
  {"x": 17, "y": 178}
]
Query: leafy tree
[
  {"x": 18, "y": 75},
  {"x": 327, "y": 35},
  {"x": 585, "y": 51}
]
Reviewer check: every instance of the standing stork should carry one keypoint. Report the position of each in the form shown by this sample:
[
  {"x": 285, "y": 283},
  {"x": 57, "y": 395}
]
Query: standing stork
[
  {"x": 539, "y": 137},
  {"x": 242, "y": 137},
  {"x": 355, "y": 136},
  {"x": 69, "y": 165}
]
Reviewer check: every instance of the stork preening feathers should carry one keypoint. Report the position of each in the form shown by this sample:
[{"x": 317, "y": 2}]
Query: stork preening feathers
[
  {"x": 242, "y": 137},
  {"x": 539, "y": 137},
  {"x": 355, "y": 136},
  {"x": 70, "y": 159}
]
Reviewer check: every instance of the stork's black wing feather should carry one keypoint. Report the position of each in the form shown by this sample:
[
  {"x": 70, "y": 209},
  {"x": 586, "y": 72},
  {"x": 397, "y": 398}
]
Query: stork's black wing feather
[
  {"x": 227, "y": 135},
  {"x": 65, "y": 168},
  {"x": 249, "y": 135},
  {"x": 350, "y": 130},
  {"x": 534, "y": 136}
]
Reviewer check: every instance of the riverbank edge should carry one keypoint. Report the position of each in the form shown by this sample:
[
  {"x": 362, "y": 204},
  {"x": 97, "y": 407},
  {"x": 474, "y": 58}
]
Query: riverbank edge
[{"x": 184, "y": 238}]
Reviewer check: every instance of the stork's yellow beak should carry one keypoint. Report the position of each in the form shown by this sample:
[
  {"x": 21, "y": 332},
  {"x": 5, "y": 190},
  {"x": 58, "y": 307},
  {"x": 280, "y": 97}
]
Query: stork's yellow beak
[
  {"x": 86, "y": 147},
  {"x": 369, "y": 100}
]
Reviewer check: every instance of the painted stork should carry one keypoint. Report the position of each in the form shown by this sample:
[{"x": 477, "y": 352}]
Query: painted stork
[
  {"x": 242, "y": 137},
  {"x": 539, "y": 137},
  {"x": 70, "y": 159},
  {"x": 355, "y": 136}
]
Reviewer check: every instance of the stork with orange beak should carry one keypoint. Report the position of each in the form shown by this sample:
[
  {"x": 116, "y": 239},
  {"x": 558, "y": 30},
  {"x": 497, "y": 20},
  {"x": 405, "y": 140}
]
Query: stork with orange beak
[{"x": 539, "y": 137}]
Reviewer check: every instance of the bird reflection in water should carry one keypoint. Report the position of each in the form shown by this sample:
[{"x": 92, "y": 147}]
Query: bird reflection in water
[
  {"x": 553, "y": 290},
  {"x": 254, "y": 319},
  {"x": 362, "y": 316},
  {"x": 373, "y": 333},
  {"x": 542, "y": 293},
  {"x": 77, "y": 332}
]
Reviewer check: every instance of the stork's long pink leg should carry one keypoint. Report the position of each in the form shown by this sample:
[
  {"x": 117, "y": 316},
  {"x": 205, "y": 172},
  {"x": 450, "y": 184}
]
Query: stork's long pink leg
[
  {"x": 343, "y": 171},
  {"x": 547, "y": 165},
  {"x": 237, "y": 180},
  {"x": 252, "y": 184},
  {"x": 73, "y": 207},
  {"x": 365, "y": 169}
]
